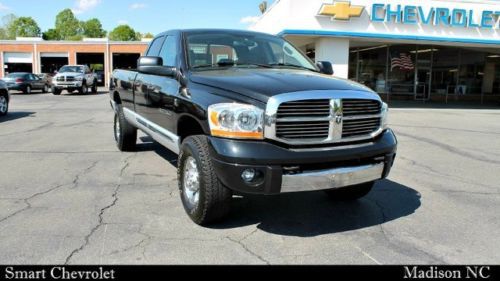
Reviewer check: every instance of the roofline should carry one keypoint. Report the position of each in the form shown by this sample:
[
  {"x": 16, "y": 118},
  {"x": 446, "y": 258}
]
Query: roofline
[{"x": 27, "y": 42}]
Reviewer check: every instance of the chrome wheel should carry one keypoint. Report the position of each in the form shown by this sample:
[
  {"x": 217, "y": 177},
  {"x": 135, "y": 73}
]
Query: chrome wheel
[
  {"x": 84, "y": 89},
  {"x": 28, "y": 90},
  {"x": 191, "y": 181},
  {"x": 45, "y": 89},
  {"x": 117, "y": 128},
  {"x": 3, "y": 104}
]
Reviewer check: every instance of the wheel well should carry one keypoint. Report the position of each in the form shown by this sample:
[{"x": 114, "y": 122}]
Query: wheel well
[
  {"x": 5, "y": 94},
  {"x": 116, "y": 98},
  {"x": 188, "y": 126}
]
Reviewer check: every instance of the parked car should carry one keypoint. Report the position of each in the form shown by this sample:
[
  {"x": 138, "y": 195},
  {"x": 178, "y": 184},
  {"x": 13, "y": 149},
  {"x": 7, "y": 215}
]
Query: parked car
[
  {"x": 4, "y": 99},
  {"x": 74, "y": 78},
  {"x": 257, "y": 117},
  {"x": 25, "y": 82},
  {"x": 100, "y": 77}
]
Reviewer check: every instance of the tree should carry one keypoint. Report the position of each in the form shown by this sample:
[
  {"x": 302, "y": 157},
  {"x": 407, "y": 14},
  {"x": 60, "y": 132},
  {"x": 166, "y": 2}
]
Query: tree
[
  {"x": 148, "y": 35},
  {"x": 67, "y": 25},
  {"x": 123, "y": 33},
  {"x": 51, "y": 34},
  {"x": 23, "y": 27},
  {"x": 7, "y": 21},
  {"x": 93, "y": 29}
]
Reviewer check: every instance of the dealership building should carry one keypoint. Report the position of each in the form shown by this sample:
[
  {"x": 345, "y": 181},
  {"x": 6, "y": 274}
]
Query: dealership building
[
  {"x": 423, "y": 50},
  {"x": 39, "y": 56}
]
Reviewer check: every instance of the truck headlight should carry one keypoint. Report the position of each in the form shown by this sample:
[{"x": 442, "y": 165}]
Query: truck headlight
[
  {"x": 233, "y": 120},
  {"x": 385, "y": 115}
]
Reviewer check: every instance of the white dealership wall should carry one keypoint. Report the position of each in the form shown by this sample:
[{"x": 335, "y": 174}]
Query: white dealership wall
[{"x": 300, "y": 22}]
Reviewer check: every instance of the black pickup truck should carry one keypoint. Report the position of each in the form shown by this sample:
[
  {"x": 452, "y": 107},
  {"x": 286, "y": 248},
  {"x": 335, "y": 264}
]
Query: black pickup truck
[{"x": 248, "y": 113}]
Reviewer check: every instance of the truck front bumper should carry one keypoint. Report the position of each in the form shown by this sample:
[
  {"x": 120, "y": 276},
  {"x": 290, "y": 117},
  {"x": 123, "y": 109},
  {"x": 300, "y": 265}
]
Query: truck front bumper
[
  {"x": 281, "y": 170},
  {"x": 70, "y": 86}
]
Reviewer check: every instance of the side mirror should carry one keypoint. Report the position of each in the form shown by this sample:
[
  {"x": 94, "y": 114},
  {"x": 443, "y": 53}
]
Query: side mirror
[
  {"x": 154, "y": 66},
  {"x": 325, "y": 67}
]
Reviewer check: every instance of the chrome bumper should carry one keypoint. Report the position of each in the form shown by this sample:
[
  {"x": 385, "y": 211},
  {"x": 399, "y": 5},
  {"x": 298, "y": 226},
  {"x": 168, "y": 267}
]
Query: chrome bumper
[{"x": 331, "y": 179}]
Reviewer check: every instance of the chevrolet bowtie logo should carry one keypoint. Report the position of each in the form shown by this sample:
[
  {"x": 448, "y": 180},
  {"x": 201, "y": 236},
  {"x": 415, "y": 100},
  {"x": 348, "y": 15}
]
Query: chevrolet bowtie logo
[{"x": 341, "y": 10}]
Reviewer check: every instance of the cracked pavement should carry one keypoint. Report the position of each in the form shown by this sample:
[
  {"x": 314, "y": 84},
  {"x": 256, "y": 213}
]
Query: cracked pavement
[{"x": 68, "y": 196}]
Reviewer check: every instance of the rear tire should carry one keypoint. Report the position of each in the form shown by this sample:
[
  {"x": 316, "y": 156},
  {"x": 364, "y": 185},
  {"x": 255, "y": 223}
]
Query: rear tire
[
  {"x": 125, "y": 134},
  {"x": 350, "y": 193},
  {"x": 94, "y": 87},
  {"x": 205, "y": 198},
  {"x": 27, "y": 90},
  {"x": 4, "y": 104},
  {"x": 45, "y": 89}
]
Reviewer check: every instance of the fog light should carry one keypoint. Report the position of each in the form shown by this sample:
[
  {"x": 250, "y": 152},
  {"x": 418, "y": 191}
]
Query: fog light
[{"x": 248, "y": 175}]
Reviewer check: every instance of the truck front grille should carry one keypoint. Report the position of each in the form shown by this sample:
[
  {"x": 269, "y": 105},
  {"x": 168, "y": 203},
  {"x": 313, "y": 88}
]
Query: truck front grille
[
  {"x": 355, "y": 107},
  {"x": 65, "y": 79},
  {"x": 318, "y": 121},
  {"x": 303, "y": 130},
  {"x": 360, "y": 127}
]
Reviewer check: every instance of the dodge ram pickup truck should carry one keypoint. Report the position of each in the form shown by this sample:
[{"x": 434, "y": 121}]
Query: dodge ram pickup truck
[
  {"x": 74, "y": 78},
  {"x": 248, "y": 113}
]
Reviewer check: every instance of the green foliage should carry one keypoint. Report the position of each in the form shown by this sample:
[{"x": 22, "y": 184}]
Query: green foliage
[
  {"x": 123, "y": 33},
  {"x": 7, "y": 21},
  {"x": 93, "y": 29},
  {"x": 67, "y": 25},
  {"x": 23, "y": 27},
  {"x": 51, "y": 34},
  {"x": 148, "y": 35}
]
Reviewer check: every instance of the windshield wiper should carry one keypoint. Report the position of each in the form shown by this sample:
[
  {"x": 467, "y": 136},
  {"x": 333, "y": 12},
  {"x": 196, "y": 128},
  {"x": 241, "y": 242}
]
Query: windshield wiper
[{"x": 292, "y": 65}]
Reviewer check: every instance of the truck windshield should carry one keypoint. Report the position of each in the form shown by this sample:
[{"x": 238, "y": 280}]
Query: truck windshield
[
  {"x": 77, "y": 69},
  {"x": 217, "y": 50}
]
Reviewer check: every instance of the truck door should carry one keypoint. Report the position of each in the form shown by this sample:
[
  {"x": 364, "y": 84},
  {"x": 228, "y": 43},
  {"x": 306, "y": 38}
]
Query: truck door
[
  {"x": 143, "y": 83},
  {"x": 163, "y": 90}
]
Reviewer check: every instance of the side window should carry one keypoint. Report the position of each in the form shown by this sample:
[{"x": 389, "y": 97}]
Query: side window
[
  {"x": 154, "y": 48},
  {"x": 169, "y": 51}
]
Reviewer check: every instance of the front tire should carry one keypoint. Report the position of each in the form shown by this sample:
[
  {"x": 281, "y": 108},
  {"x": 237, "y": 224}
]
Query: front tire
[
  {"x": 350, "y": 193},
  {"x": 84, "y": 89},
  {"x": 205, "y": 198},
  {"x": 94, "y": 88},
  {"x": 56, "y": 91},
  {"x": 125, "y": 134}
]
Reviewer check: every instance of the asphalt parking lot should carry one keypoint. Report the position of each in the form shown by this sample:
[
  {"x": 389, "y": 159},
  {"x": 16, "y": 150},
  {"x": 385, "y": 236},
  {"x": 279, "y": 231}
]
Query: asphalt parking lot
[{"x": 68, "y": 196}]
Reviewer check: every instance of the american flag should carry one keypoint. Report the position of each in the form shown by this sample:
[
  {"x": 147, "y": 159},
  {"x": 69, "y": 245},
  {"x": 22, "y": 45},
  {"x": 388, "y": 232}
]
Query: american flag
[{"x": 403, "y": 62}]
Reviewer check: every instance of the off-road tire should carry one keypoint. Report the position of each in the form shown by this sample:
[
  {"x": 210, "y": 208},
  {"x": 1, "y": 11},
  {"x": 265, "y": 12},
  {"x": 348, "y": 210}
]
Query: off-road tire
[
  {"x": 126, "y": 140},
  {"x": 214, "y": 198},
  {"x": 56, "y": 91}
]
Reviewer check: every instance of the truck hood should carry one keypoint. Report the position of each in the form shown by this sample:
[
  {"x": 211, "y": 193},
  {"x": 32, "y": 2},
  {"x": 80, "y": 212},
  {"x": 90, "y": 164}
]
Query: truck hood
[{"x": 261, "y": 84}]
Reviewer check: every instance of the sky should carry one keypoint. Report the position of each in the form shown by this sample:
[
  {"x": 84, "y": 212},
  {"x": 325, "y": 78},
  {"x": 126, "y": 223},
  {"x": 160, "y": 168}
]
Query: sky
[{"x": 153, "y": 16}]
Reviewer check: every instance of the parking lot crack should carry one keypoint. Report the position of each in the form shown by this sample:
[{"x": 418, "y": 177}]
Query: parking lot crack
[
  {"x": 28, "y": 203},
  {"x": 102, "y": 211},
  {"x": 450, "y": 148},
  {"x": 246, "y": 248}
]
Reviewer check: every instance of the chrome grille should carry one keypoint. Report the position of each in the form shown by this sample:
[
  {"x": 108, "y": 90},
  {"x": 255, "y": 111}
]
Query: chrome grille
[
  {"x": 309, "y": 108},
  {"x": 360, "y": 127},
  {"x": 65, "y": 78},
  {"x": 322, "y": 120},
  {"x": 354, "y": 107},
  {"x": 302, "y": 130}
]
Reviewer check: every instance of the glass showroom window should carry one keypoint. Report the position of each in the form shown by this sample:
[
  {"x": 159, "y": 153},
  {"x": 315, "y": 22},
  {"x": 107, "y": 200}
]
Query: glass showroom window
[
  {"x": 402, "y": 69},
  {"x": 372, "y": 68}
]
